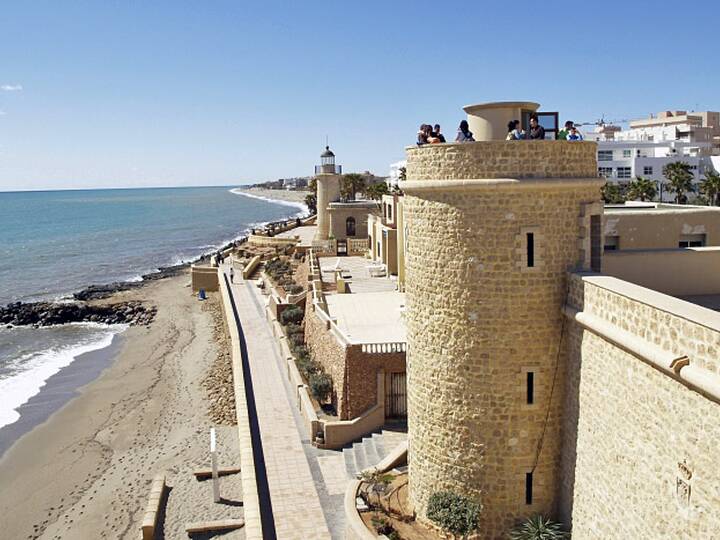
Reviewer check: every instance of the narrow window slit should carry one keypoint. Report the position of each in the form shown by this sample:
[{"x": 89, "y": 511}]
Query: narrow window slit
[
  {"x": 530, "y": 249},
  {"x": 530, "y": 387},
  {"x": 528, "y": 488}
]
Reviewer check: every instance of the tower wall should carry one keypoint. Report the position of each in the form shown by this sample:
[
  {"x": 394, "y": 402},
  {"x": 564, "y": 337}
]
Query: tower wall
[
  {"x": 328, "y": 190},
  {"x": 479, "y": 319}
]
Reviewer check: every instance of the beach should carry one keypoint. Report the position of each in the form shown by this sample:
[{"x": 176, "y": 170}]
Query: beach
[
  {"x": 85, "y": 472},
  {"x": 278, "y": 195}
]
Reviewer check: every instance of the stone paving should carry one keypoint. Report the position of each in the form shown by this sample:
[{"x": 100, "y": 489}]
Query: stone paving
[
  {"x": 358, "y": 270},
  {"x": 297, "y": 507}
]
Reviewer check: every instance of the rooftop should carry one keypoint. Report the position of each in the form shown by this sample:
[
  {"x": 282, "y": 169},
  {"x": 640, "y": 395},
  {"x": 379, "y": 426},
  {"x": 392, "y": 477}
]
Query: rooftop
[
  {"x": 636, "y": 207},
  {"x": 356, "y": 271},
  {"x": 369, "y": 317},
  {"x": 306, "y": 234}
]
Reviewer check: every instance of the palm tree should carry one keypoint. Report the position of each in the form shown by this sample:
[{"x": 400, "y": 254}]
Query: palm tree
[
  {"x": 642, "y": 188},
  {"x": 350, "y": 185},
  {"x": 376, "y": 191},
  {"x": 680, "y": 179},
  {"x": 710, "y": 187},
  {"x": 612, "y": 194}
]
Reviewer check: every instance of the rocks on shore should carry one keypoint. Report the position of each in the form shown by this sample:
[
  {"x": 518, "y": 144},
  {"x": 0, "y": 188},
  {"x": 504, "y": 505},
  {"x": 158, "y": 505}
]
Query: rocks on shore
[
  {"x": 96, "y": 292},
  {"x": 46, "y": 313},
  {"x": 219, "y": 380}
]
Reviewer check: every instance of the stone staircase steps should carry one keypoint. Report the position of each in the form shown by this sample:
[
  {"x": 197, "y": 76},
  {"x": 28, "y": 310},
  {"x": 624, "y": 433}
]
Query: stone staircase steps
[{"x": 370, "y": 450}]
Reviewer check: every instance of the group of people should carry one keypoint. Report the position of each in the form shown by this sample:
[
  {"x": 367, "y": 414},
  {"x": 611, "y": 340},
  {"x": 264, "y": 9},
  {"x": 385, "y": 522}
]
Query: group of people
[
  {"x": 537, "y": 132},
  {"x": 429, "y": 134}
]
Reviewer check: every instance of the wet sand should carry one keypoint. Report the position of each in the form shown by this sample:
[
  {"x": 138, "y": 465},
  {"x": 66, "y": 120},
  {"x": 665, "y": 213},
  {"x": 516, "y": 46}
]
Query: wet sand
[{"x": 86, "y": 471}]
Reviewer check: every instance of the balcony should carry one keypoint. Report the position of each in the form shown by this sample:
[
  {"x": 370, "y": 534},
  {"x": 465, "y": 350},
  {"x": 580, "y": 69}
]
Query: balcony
[{"x": 328, "y": 169}]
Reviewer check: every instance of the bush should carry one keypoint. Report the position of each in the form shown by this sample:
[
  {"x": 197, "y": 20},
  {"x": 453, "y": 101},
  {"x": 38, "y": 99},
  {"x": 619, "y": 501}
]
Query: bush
[
  {"x": 293, "y": 328},
  {"x": 538, "y": 528},
  {"x": 293, "y": 314},
  {"x": 453, "y": 512},
  {"x": 297, "y": 339},
  {"x": 320, "y": 386},
  {"x": 294, "y": 289}
]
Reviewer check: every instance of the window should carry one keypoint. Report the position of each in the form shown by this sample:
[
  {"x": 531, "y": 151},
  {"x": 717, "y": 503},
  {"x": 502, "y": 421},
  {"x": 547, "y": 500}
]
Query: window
[
  {"x": 528, "y": 488},
  {"x": 389, "y": 212},
  {"x": 647, "y": 170},
  {"x": 691, "y": 240},
  {"x": 595, "y": 243},
  {"x": 530, "y": 387},
  {"x": 612, "y": 243},
  {"x": 605, "y": 171},
  {"x": 350, "y": 226},
  {"x": 627, "y": 153},
  {"x": 624, "y": 172},
  {"x": 530, "y": 246},
  {"x": 605, "y": 155},
  {"x": 378, "y": 248}
]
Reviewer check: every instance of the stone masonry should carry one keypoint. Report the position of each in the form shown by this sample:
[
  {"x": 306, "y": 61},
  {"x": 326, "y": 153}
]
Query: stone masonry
[
  {"x": 641, "y": 448},
  {"x": 479, "y": 318}
]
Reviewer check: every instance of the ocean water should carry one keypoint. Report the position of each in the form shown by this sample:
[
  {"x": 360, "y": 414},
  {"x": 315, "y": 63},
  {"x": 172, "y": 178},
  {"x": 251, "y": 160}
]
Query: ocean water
[{"x": 54, "y": 243}]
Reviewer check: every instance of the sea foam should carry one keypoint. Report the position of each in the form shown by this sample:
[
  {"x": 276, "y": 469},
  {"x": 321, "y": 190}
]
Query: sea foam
[{"x": 32, "y": 370}]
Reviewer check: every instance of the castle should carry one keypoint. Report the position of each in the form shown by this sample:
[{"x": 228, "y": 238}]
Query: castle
[{"x": 535, "y": 383}]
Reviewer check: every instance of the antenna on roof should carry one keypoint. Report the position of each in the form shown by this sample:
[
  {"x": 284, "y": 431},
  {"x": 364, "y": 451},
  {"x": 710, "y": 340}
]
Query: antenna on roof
[{"x": 326, "y": 141}]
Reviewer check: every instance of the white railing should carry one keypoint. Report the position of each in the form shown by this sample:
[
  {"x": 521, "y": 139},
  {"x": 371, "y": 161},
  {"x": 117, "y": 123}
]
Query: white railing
[
  {"x": 358, "y": 244},
  {"x": 389, "y": 347}
]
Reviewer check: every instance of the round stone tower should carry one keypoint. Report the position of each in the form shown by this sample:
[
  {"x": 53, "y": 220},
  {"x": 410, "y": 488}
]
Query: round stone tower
[
  {"x": 492, "y": 228},
  {"x": 327, "y": 175}
]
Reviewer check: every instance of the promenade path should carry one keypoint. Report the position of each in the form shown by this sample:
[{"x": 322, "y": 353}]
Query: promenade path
[{"x": 296, "y": 505}]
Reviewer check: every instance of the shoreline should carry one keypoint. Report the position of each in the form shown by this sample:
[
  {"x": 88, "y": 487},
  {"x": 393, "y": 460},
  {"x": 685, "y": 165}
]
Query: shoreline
[
  {"x": 58, "y": 390},
  {"x": 84, "y": 472}
]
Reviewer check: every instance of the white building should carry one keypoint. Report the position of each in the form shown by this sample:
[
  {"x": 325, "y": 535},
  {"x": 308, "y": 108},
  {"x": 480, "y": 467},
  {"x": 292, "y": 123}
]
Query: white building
[
  {"x": 394, "y": 177},
  {"x": 650, "y": 144}
]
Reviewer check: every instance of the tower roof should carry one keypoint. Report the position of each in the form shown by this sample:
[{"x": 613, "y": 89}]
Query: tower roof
[{"x": 327, "y": 152}]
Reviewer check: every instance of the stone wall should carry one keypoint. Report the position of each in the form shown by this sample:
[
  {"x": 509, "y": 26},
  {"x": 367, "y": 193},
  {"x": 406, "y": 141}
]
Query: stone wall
[
  {"x": 330, "y": 354},
  {"x": 500, "y": 159},
  {"x": 362, "y": 370},
  {"x": 641, "y": 447},
  {"x": 478, "y": 320}
]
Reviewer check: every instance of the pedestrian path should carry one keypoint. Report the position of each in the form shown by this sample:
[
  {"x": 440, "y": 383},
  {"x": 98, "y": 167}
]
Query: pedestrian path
[{"x": 296, "y": 505}]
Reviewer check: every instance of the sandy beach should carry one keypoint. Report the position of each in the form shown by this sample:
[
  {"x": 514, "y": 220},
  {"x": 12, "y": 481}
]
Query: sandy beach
[
  {"x": 276, "y": 194},
  {"x": 85, "y": 472}
]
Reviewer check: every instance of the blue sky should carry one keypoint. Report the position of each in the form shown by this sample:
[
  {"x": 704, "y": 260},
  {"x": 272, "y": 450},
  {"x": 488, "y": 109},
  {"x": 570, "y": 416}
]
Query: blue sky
[{"x": 130, "y": 93}]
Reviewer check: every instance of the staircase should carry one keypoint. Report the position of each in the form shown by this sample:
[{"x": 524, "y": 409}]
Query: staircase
[
  {"x": 371, "y": 449},
  {"x": 258, "y": 270}
]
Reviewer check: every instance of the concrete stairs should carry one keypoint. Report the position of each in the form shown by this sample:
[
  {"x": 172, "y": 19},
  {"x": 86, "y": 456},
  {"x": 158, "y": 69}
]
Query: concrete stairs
[
  {"x": 258, "y": 270},
  {"x": 371, "y": 449}
]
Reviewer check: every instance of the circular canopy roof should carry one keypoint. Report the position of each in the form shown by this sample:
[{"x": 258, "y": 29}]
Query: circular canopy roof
[{"x": 327, "y": 152}]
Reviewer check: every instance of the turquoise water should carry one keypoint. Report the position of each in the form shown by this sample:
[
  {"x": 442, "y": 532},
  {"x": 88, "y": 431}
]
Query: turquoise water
[{"x": 56, "y": 242}]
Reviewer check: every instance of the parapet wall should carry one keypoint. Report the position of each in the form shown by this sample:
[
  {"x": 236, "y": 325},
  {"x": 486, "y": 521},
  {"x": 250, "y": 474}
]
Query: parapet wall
[
  {"x": 640, "y": 439},
  {"x": 502, "y": 159}
]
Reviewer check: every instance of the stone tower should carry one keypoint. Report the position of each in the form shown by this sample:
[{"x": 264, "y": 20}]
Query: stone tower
[
  {"x": 328, "y": 190},
  {"x": 492, "y": 229}
]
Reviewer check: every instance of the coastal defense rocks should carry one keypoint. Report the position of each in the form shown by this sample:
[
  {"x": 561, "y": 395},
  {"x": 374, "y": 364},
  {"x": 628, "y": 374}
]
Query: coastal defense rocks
[
  {"x": 96, "y": 292},
  {"x": 47, "y": 314}
]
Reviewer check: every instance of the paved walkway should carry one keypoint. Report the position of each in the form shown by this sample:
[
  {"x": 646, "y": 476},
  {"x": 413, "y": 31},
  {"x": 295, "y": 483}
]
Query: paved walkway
[{"x": 297, "y": 508}]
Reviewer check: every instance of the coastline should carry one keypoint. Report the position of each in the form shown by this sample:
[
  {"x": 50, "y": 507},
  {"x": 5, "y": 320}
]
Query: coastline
[{"x": 84, "y": 472}]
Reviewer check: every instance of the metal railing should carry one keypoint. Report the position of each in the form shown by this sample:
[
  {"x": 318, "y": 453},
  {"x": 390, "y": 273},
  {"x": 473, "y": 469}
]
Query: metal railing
[{"x": 328, "y": 169}]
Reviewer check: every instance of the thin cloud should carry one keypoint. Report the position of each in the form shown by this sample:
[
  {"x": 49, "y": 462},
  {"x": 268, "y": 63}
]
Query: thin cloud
[{"x": 11, "y": 87}]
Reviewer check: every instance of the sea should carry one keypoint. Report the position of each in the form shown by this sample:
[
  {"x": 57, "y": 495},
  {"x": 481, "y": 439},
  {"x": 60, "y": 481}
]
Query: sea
[{"x": 54, "y": 243}]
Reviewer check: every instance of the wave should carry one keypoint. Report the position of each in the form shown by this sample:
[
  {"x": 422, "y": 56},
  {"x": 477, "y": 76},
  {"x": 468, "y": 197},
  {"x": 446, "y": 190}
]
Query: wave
[
  {"x": 294, "y": 204},
  {"x": 35, "y": 368}
]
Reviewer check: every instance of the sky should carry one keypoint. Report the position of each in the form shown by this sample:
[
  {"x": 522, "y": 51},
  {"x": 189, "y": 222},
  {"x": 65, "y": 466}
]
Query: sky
[{"x": 114, "y": 93}]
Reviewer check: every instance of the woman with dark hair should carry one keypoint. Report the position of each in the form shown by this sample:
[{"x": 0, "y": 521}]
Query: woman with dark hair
[
  {"x": 514, "y": 131},
  {"x": 464, "y": 133}
]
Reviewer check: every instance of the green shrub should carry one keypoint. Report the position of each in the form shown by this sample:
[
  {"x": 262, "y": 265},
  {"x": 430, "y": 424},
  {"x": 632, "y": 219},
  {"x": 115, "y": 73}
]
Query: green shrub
[
  {"x": 453, "y": 512},
  {"x": 294, "y": 289},
  {"x": 297, "y": 339},
  {"x": 293, "y": 328},
  {"x": 293, "y": 314},
  {"x": 307, "y": 366},
  {"x": 538, "y": 528},
  {"x": 320, "y": 386}
]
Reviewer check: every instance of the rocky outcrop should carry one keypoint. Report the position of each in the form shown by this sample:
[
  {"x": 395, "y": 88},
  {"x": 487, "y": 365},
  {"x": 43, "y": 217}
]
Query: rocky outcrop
[
  {"x": 96, "y": 292},
  {"x": 46, "y": 313}
]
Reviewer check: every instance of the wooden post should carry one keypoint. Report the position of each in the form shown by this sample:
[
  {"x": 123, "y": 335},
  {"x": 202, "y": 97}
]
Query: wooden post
[{"x": 213, "y": 458}]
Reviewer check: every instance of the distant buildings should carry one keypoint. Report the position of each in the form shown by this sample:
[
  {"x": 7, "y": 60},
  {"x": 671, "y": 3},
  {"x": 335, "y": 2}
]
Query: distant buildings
[{"x": 651, "y": 143}]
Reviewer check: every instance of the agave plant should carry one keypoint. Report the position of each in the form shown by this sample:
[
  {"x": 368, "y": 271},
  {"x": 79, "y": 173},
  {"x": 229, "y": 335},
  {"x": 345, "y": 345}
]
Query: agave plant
[{"x": 539, "y": 528}]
